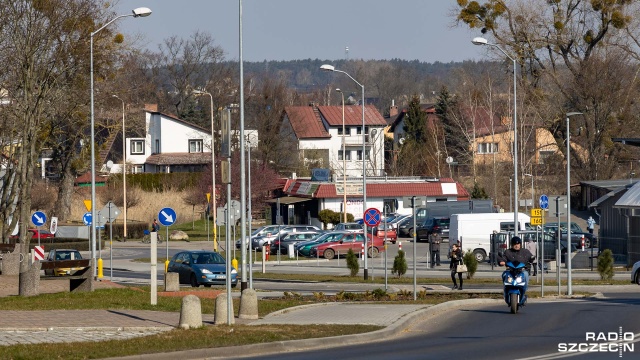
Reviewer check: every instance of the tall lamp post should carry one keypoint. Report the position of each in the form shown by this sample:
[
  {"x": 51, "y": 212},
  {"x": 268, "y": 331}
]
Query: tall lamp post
[
  {"x": 124, "y": 173},
  {"x": 344, "y": 164},
  {"x": 327, "y": 67},
  {"x": 138, "y": 12},
  {"x": 213, "y": 172},
  {"x": 569, "y": 290},
  {"x": 483, "y": 41}
]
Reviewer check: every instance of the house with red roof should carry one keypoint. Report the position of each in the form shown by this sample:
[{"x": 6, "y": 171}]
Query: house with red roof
[{"x": 322, "y": 143}]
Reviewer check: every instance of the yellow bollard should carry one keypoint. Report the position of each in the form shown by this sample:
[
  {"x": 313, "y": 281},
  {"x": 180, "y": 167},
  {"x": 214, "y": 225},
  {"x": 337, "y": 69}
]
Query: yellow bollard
[
  {"x": 234, "y": 263},
  {"x": 166, "y": 266},
  {"x": 100, "y": 274}
]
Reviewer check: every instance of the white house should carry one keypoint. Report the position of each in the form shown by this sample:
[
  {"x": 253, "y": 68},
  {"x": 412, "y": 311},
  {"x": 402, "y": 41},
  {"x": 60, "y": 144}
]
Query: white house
[
  {"x": 170, "y": 145},
  {"x": 318, "y": 129}
]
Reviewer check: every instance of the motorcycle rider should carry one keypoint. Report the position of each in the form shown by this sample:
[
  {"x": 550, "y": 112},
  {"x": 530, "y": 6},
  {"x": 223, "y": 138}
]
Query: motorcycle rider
[{"x": 517, "y": 254}]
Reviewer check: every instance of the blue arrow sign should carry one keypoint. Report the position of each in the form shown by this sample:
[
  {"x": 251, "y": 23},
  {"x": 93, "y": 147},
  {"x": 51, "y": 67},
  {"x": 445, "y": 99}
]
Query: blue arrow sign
[
  {"x": 87, "y": 218},
  {"x": 38, "y": 218},
  {"x": 372, "y": 217},
  {"x": 167, "y": 216},
  {"x": 544, "y": 202}
]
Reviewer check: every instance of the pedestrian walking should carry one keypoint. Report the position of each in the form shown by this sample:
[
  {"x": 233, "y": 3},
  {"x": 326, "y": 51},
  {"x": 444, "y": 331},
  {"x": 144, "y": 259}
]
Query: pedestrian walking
[
  {"x": 532, "y": 246},
  {"x": 435, "y": 240},
  {"x": 590, "y": 224},
  {"x": 456, "y": 259}
]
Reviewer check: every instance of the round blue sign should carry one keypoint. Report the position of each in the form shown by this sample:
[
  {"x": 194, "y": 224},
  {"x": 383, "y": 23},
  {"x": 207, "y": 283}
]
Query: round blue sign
[
  {"x": 544, "y": 202},
  {"x": 87, "y": 218},
  {"x": 38, "y": 218},
  {"x": 167, "y": 216},
  {"x": 372, "y": 217}
]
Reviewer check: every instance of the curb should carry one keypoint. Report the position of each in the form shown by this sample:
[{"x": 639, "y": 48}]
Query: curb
[
  {"x": 397, "y": 327},
  {"x": 89, "y": 328}
]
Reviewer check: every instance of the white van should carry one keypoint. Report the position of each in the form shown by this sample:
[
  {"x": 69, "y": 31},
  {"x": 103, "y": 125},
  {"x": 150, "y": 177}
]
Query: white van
[{"x": 474, "y": 230}]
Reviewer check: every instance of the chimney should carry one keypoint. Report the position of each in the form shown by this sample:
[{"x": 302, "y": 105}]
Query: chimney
[
  {"x": 393, "y": 110},
  {"x": 151, "y": 107}
]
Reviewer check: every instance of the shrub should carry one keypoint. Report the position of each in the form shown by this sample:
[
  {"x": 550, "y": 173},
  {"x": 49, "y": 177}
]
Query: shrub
[
  {"x": 352, "y": 262},
  {"x": 605, "y": 265},
  {"x": 399, "y": 264},
  {"x": 471, "y": 262}
]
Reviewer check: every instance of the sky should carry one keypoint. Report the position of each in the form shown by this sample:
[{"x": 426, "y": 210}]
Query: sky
[{"x": 420, "y": 30}]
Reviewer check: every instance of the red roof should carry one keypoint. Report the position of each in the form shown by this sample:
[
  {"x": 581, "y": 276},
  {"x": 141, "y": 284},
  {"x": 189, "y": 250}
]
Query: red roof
[
  {"x": 86, "y": 178},
  {"x": 305, "y": 123},
  {"x": 352, "y": 115},
  {"x": 305, "y": 188}
]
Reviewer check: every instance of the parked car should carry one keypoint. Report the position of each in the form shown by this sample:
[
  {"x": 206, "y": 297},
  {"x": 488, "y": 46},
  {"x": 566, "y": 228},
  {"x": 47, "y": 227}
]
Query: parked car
[
  {"x": 635, "y": 273},
  {"x": 503, "y": 239},
  {"x": 352, "y": 227},
  {"x": 282, "y": 245},
  {"x": 258, "y": 241},
  {"x": 44, "y": 234},
  {"x": 430, "y": 225},
  {"x": 263, "y": 231},
  {"x": 63, "y": 254},
  {"x": 354, "y": 241},
  {"x": 405, "y": 227},
  {"x": 201, "y": 268},
  {"x": 590, "y": 240},
  {"x": 304, "y": 248},
  {"x": 393, "y": 223}
]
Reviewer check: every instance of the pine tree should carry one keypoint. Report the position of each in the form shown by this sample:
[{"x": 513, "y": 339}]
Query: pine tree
[{"x": 415, "y": 123}]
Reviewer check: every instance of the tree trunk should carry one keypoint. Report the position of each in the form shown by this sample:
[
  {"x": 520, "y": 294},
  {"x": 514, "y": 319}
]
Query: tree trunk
[{"x": 65, "y": 191}]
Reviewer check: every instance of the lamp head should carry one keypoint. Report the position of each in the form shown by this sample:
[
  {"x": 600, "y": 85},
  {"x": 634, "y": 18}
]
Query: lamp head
[
  {"x": 479, "y": 41},
  {"x": 573, "y": 113},
  {"x": 141, "y": 12},
  {"x": 338, "y": 90},
  {"x": 327, "y": 67}
]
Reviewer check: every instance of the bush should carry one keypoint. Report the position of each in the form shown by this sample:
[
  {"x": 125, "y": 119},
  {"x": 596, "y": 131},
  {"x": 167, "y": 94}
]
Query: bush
[
  {"x": 327, "y": 216},
  {"x": 605, "y": 265},
  {"x": 471, "y": 262},
  {"x": 352, "y": 262},
  {"x": 399, "y": 264}
]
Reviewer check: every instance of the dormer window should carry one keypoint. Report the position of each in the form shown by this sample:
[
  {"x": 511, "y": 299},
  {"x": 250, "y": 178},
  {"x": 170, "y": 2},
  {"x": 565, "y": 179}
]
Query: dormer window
[{"x": 195, "y": 146}]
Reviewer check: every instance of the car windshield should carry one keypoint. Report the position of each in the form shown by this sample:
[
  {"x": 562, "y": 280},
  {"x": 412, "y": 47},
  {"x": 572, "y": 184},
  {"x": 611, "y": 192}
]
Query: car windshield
[
  {"x": 208, "y": 258},
  {"x": 68, "y": 255}
]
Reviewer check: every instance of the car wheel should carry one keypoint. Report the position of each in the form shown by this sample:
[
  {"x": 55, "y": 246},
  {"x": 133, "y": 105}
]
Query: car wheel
[
  {"x": 479, "y": 255},
  {"x": 637, "y": 277},
  {"x": 587, "y": 243},
  {"x": 207, "y": 285},
  {"x": 373, "y": 252},
  {"x": 234, "y": 285},
  {"x": 329, "y": 254},
  {"x": 393, "y": 242},
  {"x": 194, "y": 281}
]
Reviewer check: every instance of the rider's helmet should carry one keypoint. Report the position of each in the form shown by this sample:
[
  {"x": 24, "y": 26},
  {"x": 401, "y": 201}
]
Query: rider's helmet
[{"x": 516, "y": 240}]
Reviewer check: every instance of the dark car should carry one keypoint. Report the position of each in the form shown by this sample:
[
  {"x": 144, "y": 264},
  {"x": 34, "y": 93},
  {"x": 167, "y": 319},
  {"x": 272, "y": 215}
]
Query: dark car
[
  {"x": 259, "y": 241},
  {"x": 405, "y": 227},
  {"x": 590, "y": 240},
  {"x": 201, "y": 268},
  {"x": 282, "y": 245},
  {"x": 438, "y": 225}
]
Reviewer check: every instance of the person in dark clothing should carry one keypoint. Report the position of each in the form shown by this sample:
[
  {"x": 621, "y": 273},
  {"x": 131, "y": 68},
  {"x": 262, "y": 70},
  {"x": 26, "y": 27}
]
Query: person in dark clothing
[
  {"x": 435, "y": 240},
  {"x": 155, "y": 226},
  {"x": 517, "y": 254},
  {"x": 456, "y": 259}
]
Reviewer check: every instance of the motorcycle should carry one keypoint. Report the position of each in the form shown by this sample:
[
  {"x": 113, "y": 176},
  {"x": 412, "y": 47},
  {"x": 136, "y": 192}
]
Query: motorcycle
[{"x": 514, "y": 286}]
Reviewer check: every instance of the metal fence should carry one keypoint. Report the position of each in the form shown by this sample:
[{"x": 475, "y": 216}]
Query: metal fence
[{"x": 619, "y": 248}]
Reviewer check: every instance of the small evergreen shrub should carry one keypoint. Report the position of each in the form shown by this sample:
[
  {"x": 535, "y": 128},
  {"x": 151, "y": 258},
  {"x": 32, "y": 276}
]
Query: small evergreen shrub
[
  {"x": 605, "y": 265},
  {"x": 471, "y": 262},
  {"x": 399, "y": 264},
  {"x": 352, "y": 263}
]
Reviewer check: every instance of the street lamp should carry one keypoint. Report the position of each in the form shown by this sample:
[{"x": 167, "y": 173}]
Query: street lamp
[
  {"x": 569, "y": 290},
  {"x": 327, "y": 67},
  {"x": 138, "y": 12},
  {"x": 213, "y": 172},
  {"x": 124, "y": 173},
  {"x": 483, "y": 41},
  {"x": 532, "y": 197},
  {"x": 344, "y": 163}
]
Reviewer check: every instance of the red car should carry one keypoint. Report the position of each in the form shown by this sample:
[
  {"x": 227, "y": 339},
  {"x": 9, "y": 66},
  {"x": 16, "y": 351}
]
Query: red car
[
  {"x": 352, "y": 241},
  {"x": 44, "y": 234}
]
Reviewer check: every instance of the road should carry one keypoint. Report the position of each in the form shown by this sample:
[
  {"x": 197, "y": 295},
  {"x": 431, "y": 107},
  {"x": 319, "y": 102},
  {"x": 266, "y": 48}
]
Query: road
[{"x": 492, "y": 332}]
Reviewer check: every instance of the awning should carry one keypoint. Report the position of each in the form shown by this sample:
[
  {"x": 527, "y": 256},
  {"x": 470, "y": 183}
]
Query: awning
[{"x": 286, "y": 200}]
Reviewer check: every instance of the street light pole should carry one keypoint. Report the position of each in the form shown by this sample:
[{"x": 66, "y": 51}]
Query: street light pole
[
  {"x": 483, "y": 41},
  {"x": 124, "y": 173},
  {"x": 569, "y": 290},
  {"x": 327, "y": 67},
  {"x": 138, "y": 12},
  {"x": 344, "y": 164},
  {"x": 213, "y": 172}
]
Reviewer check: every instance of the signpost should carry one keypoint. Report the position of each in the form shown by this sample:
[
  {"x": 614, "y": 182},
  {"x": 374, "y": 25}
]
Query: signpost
[
  {"x": 167, "y": 217},
  {"x": 111, "y": 212},
  {"x": 544, "y": 205},
  {"x": 38, "y": 219},
  {"x": 371, "y": 218}
]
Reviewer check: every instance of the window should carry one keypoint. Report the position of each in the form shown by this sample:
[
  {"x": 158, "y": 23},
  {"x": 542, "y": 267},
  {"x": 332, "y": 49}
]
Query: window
[
  {"x": 195, "y": 146},
  {"x": 487, "y": 148},
  {"x": 359, "y": 130},
  {"x": 347, "y": 131},
  {"x": 347, "y": 154},
  {"x": 157, "y": 146},
  {"x": 137, "y": 147},
  {"x": 136, "y": 169},
  {"x": 359, "y": 155}
]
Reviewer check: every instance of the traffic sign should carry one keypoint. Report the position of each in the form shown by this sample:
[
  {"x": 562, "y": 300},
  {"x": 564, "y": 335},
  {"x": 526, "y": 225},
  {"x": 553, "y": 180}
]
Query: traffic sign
[
  {"x": 110, "y": 211},
  {"x": 536, "y": 221},
  {"x": 86, "y": 218},
  {"x": 54, "y": 225},
  {"x": 167, "y": 216},
  {"x": 544, "y": 202},
  {"x": 536, "y": 212},
  {"x": 372, "y": 217},
  {"x": 38, "y": 218}
]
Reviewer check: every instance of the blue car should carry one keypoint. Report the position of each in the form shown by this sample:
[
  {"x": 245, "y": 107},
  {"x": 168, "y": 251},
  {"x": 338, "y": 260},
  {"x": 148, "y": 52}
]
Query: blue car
[{"x": 201, "y": 268}]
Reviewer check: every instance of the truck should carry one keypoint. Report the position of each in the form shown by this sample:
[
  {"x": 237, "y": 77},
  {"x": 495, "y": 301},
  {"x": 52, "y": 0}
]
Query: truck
[
  {"x": 474, "y": 230},
  {"x": 447, "y": 208}
]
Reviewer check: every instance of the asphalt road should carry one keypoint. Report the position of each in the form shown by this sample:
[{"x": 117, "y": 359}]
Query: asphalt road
[{"x": 492, "y": 332}]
